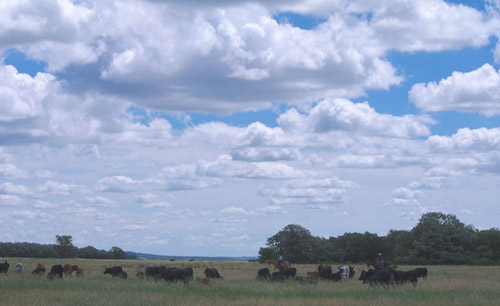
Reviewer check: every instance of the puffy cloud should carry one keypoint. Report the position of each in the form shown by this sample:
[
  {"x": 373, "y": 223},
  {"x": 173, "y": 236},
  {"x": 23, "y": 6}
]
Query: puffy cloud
[
  {"x": 465, "y": 139},
  {"x": 475, "y": 91},
  {"x": 53, "y": 187},
  {"x": 309, "y": 191},
  {"x": 344, "y": 115},
  {"x": 265, "y": 154},
  {"x": 101, "y": 201},
  {"x": 10, "y": 200},
  {"x": 226, "y": 167},
  {"x": 157, "y": 205},
  {"x": 21, "y": 95},
  {"x": 135, "y": 227},
  {"x": 118, "y": 183},
  {"x": 10, "y": 188}
]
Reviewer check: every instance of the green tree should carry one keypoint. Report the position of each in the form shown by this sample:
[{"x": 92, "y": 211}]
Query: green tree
[
  {"x": 489, "y": 244},
  {"x": 443, "y": 239},
  {"x": 118, "y": 253},
  {"x": 295, "y": 243},
  {"x": 398, "y": 245},
  {"x": 266, "y": 254},
  {"x": 64, "y": 246}
]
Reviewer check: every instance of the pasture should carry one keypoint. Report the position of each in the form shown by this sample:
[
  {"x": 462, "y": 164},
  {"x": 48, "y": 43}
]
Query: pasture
[{"x": 446, "y": 285}]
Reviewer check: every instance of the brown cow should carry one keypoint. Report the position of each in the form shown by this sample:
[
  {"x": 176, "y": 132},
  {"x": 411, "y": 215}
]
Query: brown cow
[
  {"x": 68, "y": 269},
  {"x": 79, "y": 272},
  {"x": 205, "y": 282},
  {"x": 40, "y": 269}
]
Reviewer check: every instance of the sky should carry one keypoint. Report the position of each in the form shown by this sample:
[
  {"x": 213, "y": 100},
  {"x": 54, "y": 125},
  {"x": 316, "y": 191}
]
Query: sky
[{"x": 204, "y": 127}]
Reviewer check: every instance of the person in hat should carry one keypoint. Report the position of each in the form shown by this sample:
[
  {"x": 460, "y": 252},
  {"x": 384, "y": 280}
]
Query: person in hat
[{"x": 379, "y": 261}]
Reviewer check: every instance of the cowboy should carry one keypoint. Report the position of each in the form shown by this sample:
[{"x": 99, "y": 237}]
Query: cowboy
[
  {"x": 379, "y": 261},
  {"x": 280, "y": 260}
]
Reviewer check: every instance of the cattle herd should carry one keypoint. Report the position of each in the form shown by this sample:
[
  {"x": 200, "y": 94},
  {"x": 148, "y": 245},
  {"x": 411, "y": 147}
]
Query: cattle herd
[{"x": 386, "y": 276}]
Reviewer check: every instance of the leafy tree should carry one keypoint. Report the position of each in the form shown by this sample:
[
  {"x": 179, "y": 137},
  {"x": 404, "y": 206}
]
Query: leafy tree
[
  {"x": 295, "y": 243},
  {"x": 357, "y": 247},
  {"x": 398, "y": 245},
  {"x": 118, "y": 253},
  {"x": 266, "y": 254},
  {"x": 64, "y": 246},
  {"x": 489, "y": 244},
  {"x": 443, "y": 239}
]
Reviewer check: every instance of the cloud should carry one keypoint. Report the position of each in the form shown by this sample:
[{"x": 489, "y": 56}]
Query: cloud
[
  {"x": 226, "y": 167},
  {"x": 10, "y": 188},
  {"x": 135, "y": 227},
  {"x": 11, "y": 171},
  {"x": 10, "y": 200},
  {"x": 479, "y": 140},
  {"x": 21, "y": 95},
  {"x": 53, "y": 187},
  {"x": 157, "y": 205},
  {"x": 101, "y": 201},
  {"x": 475, "y": 91},
  {"x": 118, "y": 183},
  {"x": 309, "y": 191},
  {"x": 343, "y": 115},
  {"x": 265, "y": 154}
]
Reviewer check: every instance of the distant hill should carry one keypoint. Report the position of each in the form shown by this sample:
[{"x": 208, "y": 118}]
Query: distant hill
[{"x": 171, "y": 257}]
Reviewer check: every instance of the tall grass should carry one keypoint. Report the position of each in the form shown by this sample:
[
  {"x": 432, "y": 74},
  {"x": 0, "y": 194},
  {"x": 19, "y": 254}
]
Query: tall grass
[{"x": 446, "y": 285}]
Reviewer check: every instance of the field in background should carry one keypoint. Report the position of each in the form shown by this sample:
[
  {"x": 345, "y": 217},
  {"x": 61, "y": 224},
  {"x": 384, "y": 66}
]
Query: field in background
[{"x": 446, "y": 285}]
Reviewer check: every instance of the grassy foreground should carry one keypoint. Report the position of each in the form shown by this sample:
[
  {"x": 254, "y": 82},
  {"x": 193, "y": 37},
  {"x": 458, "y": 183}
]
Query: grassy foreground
[{"x": 446, "y": 285}]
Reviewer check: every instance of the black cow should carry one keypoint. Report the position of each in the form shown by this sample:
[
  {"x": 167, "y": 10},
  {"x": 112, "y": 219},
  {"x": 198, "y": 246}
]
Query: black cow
[
  {"x": 263, "y": 273},
  {"x": 155, "y": 272},
  {"x": 283, "y": 274},
  {"x": 366, "y": 274},
  {"x": 176, "y": 274},
  {"x": 190, "y": 272},
  {"x": 336, "y": 277},
  {"x": 38, "y": 271},
  {"x": 401, "y": 277},
  {"x": 55, "y": 272},
  {"x": 212, "y": 273},
  {"x": 384, "y": 276},
  {"x": 324, "y": 272},
  {"x": 116, "y": 271},
  {"x": 4, "y": 267},
  {"x": 421, "y": 272}
]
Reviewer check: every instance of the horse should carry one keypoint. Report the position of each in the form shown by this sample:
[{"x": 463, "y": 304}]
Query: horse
[
  {"x": 284, "y": 264},
  {"x": 385, "y": 264}
]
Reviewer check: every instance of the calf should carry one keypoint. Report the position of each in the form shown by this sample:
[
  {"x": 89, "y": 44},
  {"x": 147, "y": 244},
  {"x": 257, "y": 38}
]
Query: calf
[
  {"x": 4, "y": 267},
  {"x": 115, "y": 271},
  {"x": 19, "y": 267},
  {"x": 212, "y": 273},
  {"x": 79, "y": 272},
  {"x": 40, "y": 269},
  {"x": 55, "y": 272},
  {"x": 205, "y": 282}
]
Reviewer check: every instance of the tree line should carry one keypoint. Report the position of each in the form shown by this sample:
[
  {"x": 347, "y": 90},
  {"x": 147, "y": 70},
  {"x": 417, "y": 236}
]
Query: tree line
[
  {"x": 437, "y": 239},
  {"x": 63, "y": 248}
]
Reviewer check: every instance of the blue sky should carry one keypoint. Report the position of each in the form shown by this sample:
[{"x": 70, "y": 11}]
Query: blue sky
[{"x": 202, "y": 130}]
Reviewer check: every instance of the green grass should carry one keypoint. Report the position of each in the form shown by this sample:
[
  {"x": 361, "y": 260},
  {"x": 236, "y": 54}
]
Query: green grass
[{"x": 446, "y": 285}]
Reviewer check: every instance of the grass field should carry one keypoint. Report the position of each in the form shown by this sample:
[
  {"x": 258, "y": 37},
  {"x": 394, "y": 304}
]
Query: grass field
[{"x": 446, "y": 285}]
